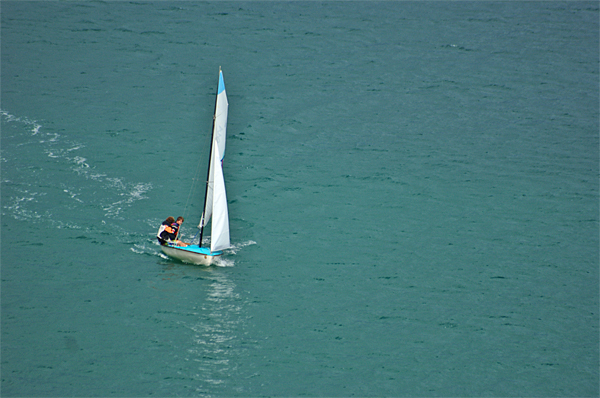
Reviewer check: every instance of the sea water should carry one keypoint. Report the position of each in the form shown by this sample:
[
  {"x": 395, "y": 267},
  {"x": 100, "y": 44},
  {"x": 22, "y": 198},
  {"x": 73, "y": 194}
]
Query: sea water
[{"x": 412, "y": 188}]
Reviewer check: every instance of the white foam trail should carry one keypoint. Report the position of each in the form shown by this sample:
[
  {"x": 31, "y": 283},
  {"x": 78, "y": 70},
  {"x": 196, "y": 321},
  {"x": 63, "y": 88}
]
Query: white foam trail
[
  {"x": 235, "y": 247},
  {"x": 127, "y": 193},
  {"x": 136, "y": 193},
  {"x": 73, "y": 195},
  {"x": 224, "y": 262}
]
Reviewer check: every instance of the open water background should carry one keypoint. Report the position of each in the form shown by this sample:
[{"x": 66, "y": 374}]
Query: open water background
[{"x": 413, "y": 192}]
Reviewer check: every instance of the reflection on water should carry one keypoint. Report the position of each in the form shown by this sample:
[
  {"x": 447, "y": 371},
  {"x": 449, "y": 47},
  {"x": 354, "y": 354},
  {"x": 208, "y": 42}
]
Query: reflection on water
[
  {"x": 215, "y": 342},
  {"x": 209, "y": 312}
]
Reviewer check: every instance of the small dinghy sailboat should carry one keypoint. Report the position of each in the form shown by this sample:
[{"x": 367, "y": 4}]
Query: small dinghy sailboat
[{"x": 215, "y": 197}]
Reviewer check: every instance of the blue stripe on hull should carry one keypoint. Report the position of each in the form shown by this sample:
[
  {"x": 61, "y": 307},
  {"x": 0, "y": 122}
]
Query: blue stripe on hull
[{"x": 196, "y": 249}]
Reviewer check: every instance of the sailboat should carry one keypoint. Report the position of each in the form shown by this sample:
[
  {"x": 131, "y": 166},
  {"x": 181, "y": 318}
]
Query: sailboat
[{"x": 215, "y": 197}]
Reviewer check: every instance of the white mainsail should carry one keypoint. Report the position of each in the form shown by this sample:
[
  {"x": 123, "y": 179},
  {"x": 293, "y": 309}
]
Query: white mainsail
[
  {"x": 216, "y": 197},
  {"x": 219, "y": 238}
]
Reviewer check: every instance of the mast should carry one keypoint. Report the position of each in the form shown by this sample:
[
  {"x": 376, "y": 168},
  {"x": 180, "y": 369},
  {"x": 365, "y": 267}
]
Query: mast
[{"x": 212, "y": 137}]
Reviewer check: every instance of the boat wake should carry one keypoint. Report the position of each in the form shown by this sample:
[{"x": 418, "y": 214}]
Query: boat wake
[
  {"x": 236, "y": 247},
  {"x": 28, "y": 193},
  {"x": 225, "y": 261},
  {"x": 147, "y": 250}
]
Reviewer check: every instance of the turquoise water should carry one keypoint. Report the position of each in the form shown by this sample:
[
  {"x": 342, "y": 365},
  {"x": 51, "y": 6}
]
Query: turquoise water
[{"x": 413, "y": 191}]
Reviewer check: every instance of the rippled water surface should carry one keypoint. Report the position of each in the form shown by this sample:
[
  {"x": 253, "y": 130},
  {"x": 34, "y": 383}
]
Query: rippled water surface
[{"x": 412, "y": 186}]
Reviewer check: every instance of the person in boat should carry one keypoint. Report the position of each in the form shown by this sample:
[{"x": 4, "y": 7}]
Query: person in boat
[
  {"x": 175, "y": 226},
  {"x": 167, "y": 233}
]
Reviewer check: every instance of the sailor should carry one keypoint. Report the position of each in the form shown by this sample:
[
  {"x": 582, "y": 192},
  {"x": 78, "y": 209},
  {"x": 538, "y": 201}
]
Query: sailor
[
  {"x": 166, "y": 233},
  {"x": 175, "y": 227}
]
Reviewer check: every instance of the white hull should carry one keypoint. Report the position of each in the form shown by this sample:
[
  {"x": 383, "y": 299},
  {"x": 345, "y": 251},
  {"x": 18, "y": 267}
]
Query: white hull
[{"x": 191, "y": 254}]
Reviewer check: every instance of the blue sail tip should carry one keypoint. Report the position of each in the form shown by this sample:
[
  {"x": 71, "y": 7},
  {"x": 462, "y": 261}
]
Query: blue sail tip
[{"x": 221, "y": 83}]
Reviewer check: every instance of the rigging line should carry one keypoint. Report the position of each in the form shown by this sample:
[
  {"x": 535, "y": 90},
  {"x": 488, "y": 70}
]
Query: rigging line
[
  {"x": 192, "y": 189},
  {"x": 195, "y": 180}
]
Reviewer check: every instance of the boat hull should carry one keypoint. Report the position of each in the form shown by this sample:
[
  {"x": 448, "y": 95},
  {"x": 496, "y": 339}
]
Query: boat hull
[{"x": 191, "y": 254}]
